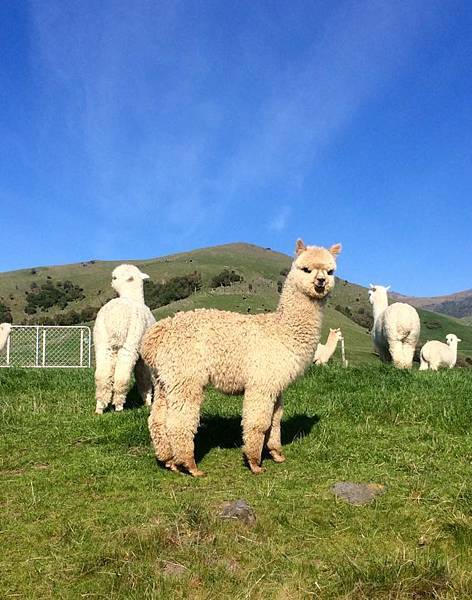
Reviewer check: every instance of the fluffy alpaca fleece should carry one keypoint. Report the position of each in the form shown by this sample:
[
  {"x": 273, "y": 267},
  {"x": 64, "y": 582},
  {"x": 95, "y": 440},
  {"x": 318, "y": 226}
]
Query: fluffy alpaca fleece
[
  {"x": 396, "y": 328},
  {"x": 435, "y": 354},
  {"x": 257, "y": 354},
  {"x": 117, "y": 334},
  {"x": 5, "y": 329},
  {"x": 325, "y": 351}
]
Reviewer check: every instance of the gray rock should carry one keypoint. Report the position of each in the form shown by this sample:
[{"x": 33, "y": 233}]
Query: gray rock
[
  {"x": 357, "y": 494},
  {"x": 238, "y": 509}
]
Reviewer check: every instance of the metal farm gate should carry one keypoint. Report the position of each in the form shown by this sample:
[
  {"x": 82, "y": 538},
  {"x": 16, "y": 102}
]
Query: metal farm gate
[{"x": 43, "y": 346}]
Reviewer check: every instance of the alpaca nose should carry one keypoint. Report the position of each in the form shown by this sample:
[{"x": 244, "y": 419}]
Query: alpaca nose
[{"x": 320, "y": 281}]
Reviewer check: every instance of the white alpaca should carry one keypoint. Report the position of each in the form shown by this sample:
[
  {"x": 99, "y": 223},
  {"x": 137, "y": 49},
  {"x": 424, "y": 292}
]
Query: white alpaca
[
  {"x": 325, "y": 351},
  {"x": 396, "y": 328},
  {"x": 5, "y": 329},
  {"x": 435, "y": 354},
  {"x": 117, "y": 334}
]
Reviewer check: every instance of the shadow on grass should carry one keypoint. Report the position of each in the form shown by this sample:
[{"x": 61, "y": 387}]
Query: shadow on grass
[
  {"x": 225, "y": 432},
  {"x": 133, "y": 399}
]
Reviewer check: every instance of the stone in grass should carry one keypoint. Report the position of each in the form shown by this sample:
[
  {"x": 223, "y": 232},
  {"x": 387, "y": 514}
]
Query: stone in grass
[
  {"x": 239, "y": 510},
  {"x": 173, "y": 569},
  {"x": 357, "y": 493}
]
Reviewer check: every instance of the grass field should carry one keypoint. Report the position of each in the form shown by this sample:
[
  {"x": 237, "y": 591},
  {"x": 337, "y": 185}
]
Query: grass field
[{"x": 86, "y": 512}]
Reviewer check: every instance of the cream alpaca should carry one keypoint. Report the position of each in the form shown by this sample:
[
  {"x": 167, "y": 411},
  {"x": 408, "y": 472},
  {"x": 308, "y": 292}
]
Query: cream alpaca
[
  {"x": 117, "y": 333},
  {"x": 435, "y": 354},
  {"x": 257, "y": 354},
  {"x": 396, "y": 328},
  {"x": 5, "y": 329},
  {"x": 325, "y": 351}
]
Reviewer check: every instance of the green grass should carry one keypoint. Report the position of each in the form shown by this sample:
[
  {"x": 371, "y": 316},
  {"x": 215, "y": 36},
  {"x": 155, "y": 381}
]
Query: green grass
[{"x": 86, "y": 512}]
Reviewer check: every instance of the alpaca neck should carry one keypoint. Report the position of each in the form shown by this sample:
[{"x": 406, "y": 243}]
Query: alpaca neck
[
  {"x": 379, "y": 306},
  {"x": 453, "y": 349},
  {"x": 331, "y": 344},
  {"x": 133, "y": 293},
  {"x": 300, "y": 318}
]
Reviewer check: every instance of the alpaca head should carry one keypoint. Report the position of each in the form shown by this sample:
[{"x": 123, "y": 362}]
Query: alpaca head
[
  {"x": 336, "y": 334},
  {"x": 127, "y": 280},
  {"x": 452, "y": 339},
  {"x": 313, "y": 269},
  {"x": 378, "y": 293}
]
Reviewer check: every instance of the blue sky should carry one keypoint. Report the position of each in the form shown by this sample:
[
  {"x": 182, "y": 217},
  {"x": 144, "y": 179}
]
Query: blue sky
[{"x": 137, "y": 129}]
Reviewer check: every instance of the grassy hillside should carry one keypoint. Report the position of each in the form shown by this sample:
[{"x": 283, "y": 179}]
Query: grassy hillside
[
  {"x": 261, "y": 270},
  {"x": 86, "y": 512}
]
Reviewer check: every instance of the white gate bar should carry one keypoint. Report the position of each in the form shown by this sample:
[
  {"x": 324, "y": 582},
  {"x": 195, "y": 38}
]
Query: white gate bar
[
  {"x": 44, "y": 348},
  {"x": 8, "y": 351},
  {"x": 37, "y": 345}
]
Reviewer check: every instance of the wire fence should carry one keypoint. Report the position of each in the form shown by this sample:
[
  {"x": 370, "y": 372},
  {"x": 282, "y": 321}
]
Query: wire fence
[{"x": 46, "y": 346}]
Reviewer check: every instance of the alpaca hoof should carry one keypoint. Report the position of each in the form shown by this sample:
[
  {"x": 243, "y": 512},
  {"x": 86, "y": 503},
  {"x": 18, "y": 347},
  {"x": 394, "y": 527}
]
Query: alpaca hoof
[
  {"x": 170, "y": 464},
  {"x": 98, "y": 410},
  {"x": 277, "y": 456},
  {"x": 197, "y": 473},
  {"x": 119, "y": 408},
  {"x": 148, "y": 402},
  {"x": 256, "y": 469}
]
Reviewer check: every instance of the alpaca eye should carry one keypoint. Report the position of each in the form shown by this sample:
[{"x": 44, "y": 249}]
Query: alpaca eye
[
  {"x": 306, "y": 270},
  {"x": 114, "y": 277},
  {"x": 331, "y": 272},
  {"x": 130, "y": 279}
]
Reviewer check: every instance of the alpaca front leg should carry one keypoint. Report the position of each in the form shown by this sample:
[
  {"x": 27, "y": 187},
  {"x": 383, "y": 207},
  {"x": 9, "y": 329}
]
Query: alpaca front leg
[
  {"x": 124, "y": 367},
  {"x": 158, "y": 430},
  {"x": 183, "y": 416},
  {"x": 274, "y": 441},
  {"x": 258, "y": 410},
  {"x": 143, "y": 377}
]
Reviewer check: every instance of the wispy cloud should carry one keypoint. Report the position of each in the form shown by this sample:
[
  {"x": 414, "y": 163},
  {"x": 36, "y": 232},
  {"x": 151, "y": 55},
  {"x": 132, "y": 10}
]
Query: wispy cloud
[
  {"x": 279, "y": 222},
  {"x": 170, "y": 145}
]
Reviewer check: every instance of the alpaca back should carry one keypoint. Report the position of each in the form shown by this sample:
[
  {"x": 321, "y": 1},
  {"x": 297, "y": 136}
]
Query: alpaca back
[
  {"x": 228, "y": 349},
  {"x": 398, "y": 322},
  {"x": 437, "y": 352},
  {"x": 121, "y": 322}
]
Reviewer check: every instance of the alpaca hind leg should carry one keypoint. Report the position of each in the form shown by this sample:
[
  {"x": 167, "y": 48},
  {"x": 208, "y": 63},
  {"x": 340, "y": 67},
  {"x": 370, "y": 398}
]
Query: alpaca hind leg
[
  {"x": 143, "y": 377},
  {"x": 274, "y": 441},
  {"x": 408, "y": 353},
  {"x": 424, "y": 365},
  {"x": 258, "y": 410},
  {"x": 396, "y": 350},
  {"x": 105, "y": 366},
  {"x": 157, "y": 427},
  {"x": 124, "y": 367},
  {"x": 183, "y": 415}
]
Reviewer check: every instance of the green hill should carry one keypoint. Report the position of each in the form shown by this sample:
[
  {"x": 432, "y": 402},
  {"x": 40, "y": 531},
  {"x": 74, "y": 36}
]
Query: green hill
[{"x": 261, "y": 270}]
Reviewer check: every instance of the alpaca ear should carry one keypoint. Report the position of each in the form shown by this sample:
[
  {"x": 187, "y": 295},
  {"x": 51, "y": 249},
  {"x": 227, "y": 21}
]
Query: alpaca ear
[
  {"x": 388, "y": 287},
  {"x": 144, "y": 276},
  {"x": 336, "y": 249},
  {"x": 300, "y": 247}
]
